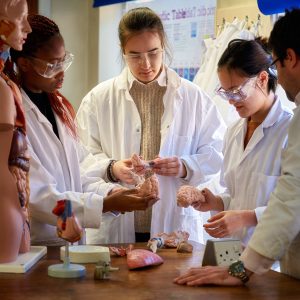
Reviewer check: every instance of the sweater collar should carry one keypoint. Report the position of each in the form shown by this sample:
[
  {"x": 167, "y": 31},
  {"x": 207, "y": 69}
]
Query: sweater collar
[
  {"x": 161, "y": 79},
  {"x": 173, "y": 81}
]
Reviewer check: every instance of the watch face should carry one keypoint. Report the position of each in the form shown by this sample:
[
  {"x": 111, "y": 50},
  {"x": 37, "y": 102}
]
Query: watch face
[{"x": 237, "y": 267}]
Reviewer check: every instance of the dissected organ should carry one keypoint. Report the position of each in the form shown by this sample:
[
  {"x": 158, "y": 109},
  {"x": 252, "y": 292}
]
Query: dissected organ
[
  {"x": 146, "y": 180},
  {"x": 184, "y": 247},
  {"x": 138, "y": 258},
  {"x": 67, "y": 225},
  {"x": 187, "y": 195},
  {"x": 149, "y": 186},
  {"x": 171, "y": 240}
]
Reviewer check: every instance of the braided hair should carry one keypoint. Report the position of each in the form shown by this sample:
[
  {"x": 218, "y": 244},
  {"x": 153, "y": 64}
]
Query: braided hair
[{"x": 43, "y": 30}]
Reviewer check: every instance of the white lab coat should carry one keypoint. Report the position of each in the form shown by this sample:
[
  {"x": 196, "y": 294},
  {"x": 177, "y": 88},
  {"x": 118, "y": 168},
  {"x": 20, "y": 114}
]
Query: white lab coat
[
  {"x": 191, "y": 128},
  {"x": 277, "y": 235},
  {"x": 250, "y": 174},
  {"x": 60, "y": 169}
]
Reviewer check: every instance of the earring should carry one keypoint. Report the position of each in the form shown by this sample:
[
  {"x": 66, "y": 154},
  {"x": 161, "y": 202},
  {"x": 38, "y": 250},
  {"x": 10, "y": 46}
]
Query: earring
[{"x": 3, "y": 37}]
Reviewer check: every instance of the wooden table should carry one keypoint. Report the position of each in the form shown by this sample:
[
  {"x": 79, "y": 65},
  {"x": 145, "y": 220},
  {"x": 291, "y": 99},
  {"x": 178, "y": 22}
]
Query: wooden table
[{"x": 151, "y": 283}]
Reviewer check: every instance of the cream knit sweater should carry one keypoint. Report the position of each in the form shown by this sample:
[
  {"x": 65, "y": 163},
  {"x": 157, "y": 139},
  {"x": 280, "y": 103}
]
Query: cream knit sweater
[{"x": 149, "y": 102}]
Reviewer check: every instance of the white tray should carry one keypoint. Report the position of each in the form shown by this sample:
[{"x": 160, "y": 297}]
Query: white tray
[
  {"x": 24, "y": 261},
  {"x": 86, "y": 254}
]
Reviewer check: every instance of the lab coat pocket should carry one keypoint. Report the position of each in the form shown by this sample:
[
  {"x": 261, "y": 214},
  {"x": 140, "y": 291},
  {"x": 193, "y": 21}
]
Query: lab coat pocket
[
  {"x": 264, "y": 187},
  {"x": 181, "y": 145}
]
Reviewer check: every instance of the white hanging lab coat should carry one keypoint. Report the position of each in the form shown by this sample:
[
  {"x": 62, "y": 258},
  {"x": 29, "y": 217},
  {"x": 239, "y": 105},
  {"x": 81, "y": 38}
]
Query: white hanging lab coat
[
  {"x": 207, "y": 76},
  {"x": 191, "y": 128},
  {"x": 60, "y": 169},
  {"x": 250, "y": 174}
]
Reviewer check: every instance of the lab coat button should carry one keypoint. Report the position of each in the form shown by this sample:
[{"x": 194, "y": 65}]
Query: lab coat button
[{"x": 138, "y": 130}]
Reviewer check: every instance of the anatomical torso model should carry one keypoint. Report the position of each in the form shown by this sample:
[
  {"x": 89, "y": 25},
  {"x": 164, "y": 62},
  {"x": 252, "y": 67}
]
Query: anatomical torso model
[{"x": 14, "y": 159}]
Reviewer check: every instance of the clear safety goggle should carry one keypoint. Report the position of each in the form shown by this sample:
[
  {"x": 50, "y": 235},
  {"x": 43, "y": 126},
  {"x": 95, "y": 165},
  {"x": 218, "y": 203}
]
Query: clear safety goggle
[
  {"x": 138, "y": 58},
  {"x": 48, "y": 70},
  {"x": 236, "y": 94}
]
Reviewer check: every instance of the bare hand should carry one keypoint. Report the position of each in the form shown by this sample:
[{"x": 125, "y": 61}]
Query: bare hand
[
  {"x": 116, "y": 189},
  {"x": 211, "y": 202},
  {"x": 208, "y": 275},
  {"x": 138, "y": 164},
  {"x": 127, "y": 200},
  {"x": 122, "y": 170},
  {"x": 226, "y": 223},
  {"x": 169, "y": 166}
]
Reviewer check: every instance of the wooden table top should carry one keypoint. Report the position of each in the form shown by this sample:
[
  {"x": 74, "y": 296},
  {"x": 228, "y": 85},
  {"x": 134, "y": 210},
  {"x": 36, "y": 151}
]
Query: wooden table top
[{"x": 150, "y": 283}]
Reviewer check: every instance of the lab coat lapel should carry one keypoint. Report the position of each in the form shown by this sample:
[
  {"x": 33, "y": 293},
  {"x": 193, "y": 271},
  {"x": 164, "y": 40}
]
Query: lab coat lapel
[
  {"x": 172, "y": 103},
  {"x": 61, "y": 141},
  {"x": 257, "y": 136},
  {"x": 122, "y": 88},
  {"x": 239, "y": 140},
  {"x": 29, "y": 105},
  {"x": 67, "y": 147}
]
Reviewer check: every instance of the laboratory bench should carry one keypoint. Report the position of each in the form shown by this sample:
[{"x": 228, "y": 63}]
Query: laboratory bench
[{"x": 147, "y": 283}]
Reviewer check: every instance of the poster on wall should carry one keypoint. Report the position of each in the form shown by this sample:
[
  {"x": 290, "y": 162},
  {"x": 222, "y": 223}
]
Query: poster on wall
[{"x": 187, "y": 23}]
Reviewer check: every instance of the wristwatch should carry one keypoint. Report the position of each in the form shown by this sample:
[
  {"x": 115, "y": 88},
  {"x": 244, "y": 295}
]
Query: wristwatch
[{"x": 237, "y": 269}]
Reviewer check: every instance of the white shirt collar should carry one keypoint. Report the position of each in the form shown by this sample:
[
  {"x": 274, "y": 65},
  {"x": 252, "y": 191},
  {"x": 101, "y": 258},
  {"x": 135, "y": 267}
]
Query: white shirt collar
[
  {"x": 161, "y": 79},
  {"x": 297, "y": 99}
]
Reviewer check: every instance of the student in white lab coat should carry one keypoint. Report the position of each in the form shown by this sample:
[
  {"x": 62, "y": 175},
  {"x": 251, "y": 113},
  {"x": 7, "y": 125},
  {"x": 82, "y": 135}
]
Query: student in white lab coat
[
  {"x": 148, "y": 109},
  {"x": 277, "y": 235},
  {"x": 253, "y": 145},
  {"x": 60, "y": 166}
]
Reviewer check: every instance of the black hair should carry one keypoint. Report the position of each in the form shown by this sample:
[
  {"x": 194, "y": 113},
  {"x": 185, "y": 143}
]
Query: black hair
[
  {"x": 286, "y": 34},
  {"x": 249, "y": 58}
]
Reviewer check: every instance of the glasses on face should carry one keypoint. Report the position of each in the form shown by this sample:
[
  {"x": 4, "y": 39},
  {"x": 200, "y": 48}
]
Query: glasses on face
[
  {"x": 238, "y": 94},
  {"x": 273, "y": 63},
  {"x": 48, "y": 70},
  {"x": 138, "y": 58}
]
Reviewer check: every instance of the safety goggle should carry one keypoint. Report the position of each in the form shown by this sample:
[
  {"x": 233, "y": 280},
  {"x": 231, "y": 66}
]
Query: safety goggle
[
  {"x": 138, "y": 58},
  {"x": 48, "y": 70},
  {"x": 238, "y": 94}
]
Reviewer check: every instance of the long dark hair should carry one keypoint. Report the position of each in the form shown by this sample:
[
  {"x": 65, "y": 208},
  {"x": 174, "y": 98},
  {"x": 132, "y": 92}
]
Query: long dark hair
[
  {"x": 249, "y": 58},
  {"x": 43, "y": 29}
]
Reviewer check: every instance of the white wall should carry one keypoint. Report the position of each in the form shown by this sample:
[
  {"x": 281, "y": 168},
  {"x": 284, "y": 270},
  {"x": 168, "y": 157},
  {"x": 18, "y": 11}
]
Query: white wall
[
  {"x": 45, "y": 8},
  {"x": 97, "y": 53},
  {"x": 110, "y": 62},
  {"x": 79, "y": 24}
]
